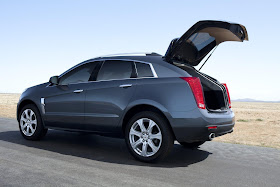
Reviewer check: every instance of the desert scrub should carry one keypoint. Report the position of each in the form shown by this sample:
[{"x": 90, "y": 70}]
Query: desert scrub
[
  {"x": 259, "y": 119},
  {"x": 243, "y": 120}
]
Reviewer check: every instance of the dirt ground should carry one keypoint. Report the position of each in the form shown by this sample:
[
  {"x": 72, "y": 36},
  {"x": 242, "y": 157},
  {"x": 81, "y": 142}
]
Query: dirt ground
[
  {"x": 8, "y": 105},
  {"x": 256, "y": 123}
]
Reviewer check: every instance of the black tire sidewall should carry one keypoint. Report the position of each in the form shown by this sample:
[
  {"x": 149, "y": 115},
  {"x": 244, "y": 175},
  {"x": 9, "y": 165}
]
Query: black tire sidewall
[
  {"x": 40, "y": 131},
  {"x": 167, "y": 137}
]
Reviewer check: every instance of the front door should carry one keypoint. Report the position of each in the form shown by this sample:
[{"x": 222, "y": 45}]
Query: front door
[{"x": 65, "y": 102}]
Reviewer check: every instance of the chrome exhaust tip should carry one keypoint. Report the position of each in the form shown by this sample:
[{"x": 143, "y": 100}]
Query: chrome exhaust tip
[{"x": 211, "y": 136}]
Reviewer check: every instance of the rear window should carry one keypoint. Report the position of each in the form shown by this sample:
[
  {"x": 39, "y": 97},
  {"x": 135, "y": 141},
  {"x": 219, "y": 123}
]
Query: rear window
[
  {"x": 201, "y": 40},
  {"x": 114, "y": 69},
  {"x": 144, "y": 70}
]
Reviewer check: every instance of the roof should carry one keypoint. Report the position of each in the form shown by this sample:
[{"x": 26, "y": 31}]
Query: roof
[{"x": 147, "y": 57}]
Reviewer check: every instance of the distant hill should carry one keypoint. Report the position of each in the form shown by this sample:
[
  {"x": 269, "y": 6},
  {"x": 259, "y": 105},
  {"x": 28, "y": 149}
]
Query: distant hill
[{"x": 253, "y": 100}]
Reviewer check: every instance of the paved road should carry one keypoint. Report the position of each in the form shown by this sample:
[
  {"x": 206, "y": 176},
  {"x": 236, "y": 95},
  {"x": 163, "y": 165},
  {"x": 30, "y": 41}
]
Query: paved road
[{"x": 72, "y": 159}]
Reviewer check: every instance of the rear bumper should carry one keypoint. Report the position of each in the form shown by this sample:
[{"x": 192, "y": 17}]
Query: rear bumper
[
  {"x": 193, "y": 126},
  {"x": 222, "y": 129}
]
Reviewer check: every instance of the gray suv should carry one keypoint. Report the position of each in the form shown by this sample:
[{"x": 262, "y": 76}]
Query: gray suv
[{"x": 148, "y": 99}]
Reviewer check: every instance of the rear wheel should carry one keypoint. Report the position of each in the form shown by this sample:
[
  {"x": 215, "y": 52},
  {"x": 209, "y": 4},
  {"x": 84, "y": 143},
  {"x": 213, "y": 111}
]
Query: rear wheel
[
  {"x": 30, "y": 123},
  {"x": 192, "y": 145},
  {"x": 148, "y": 137}
]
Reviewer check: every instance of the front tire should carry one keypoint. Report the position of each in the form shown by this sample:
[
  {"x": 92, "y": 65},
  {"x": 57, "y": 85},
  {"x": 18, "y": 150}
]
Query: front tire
[
  {"x": 30, "y": 123},
  {"x": 148, "y": 137}
]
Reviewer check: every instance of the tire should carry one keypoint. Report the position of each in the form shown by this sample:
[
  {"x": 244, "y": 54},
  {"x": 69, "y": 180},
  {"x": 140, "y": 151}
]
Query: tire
[
  {"x": 30, "y": 123},
  {"x": 148, "y": 144},
  {"x": 192, "y": 145}
]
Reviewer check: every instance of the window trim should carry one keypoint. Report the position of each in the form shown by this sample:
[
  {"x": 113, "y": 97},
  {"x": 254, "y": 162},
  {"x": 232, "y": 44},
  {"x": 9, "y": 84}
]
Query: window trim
[
  {"x": 102, "y": 61},
  {"x": 151, "y": 68}
]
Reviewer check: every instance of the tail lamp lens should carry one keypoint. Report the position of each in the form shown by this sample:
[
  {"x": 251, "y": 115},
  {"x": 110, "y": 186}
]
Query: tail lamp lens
[
  {"x": 196, "y": 87},
  {"x": 229, "y": 102}
]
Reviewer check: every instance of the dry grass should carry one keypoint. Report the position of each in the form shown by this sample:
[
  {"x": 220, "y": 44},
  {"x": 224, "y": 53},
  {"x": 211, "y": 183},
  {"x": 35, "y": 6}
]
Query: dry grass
[
  {"x": 8, "y": 105},
  {"x": 256, "y": 123}
]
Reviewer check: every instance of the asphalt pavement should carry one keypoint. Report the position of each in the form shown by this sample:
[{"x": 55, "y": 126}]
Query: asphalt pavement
[{"x": 74, "y": 159}]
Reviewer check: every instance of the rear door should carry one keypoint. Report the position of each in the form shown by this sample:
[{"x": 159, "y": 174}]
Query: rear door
[
  {"x": 108, "y": 96},
  {"x": 201, "y": 38}
]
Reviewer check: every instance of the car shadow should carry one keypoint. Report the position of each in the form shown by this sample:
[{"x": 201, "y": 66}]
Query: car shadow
[{"x": 105, "y": 149}]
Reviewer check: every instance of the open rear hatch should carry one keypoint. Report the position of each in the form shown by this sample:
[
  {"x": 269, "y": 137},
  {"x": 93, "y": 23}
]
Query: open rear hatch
[
  {"x": 201, "y": 38},
  {"x": 191, "y": 48}
]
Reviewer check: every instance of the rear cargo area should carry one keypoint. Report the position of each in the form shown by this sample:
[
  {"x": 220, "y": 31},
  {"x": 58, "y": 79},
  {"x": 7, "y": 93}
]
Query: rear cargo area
[{"x": 215, "y": 94}]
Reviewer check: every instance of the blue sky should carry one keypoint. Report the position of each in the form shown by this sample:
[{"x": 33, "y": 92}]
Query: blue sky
[{"x": 39, "y": 39}]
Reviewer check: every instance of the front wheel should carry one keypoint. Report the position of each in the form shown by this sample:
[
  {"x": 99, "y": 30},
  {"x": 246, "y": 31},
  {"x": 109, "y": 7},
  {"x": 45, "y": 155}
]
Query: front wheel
[
  {"x": 30, "y": 123},
  {"x": 148, "y": 137}
]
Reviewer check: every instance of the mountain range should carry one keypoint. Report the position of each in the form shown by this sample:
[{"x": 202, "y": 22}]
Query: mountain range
[{"x": 253, "y": 100}]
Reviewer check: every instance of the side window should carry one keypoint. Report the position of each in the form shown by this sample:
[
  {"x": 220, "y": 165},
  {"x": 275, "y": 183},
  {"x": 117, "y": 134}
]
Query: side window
[
  {"x": 78, "y": 75},
  {"x": 115, "y": 69},
  {"x": 144, "y": 70}
]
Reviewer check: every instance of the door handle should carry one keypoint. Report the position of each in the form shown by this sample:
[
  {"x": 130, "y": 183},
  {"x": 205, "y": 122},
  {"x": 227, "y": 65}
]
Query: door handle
[
  {"x": 125, "y": 85},
  {"x": 78, "y": 91}
]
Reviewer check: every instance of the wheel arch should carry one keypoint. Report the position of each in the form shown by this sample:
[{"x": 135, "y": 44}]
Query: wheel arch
[
  {"x": 24, "y": 103},
  {"x": 144, "y": 107}
]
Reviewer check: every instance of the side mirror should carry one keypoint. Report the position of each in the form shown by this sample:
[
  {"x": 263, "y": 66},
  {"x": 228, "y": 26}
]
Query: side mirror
[{"x": 54, "y": 80}]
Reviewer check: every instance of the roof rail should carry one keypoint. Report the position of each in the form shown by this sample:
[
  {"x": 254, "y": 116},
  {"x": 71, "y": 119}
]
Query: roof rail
[{"x": 133, "y": 54}]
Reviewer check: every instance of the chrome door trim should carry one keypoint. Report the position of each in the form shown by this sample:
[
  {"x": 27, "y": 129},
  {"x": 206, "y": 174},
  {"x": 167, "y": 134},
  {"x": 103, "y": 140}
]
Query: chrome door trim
[
  {"x": 43, "y": 105},
  {"x": 125, "y": 85},
  {"x": 78, "y": 91}
]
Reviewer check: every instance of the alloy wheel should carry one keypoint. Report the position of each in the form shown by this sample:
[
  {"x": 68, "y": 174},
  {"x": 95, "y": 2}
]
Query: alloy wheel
[
  {"x": 145, "y": 137},
  {"x": 28, "y": 122}
]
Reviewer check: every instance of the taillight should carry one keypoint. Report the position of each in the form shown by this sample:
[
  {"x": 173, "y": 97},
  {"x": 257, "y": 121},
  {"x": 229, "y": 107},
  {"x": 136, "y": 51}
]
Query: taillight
[
  {"x": 229, "y": 102},
  {"x": 196, "y": 87},
  {"x": 212, "y": 127}
]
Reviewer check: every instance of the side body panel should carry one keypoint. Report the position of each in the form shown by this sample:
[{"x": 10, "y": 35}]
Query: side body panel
[
  {"x": 64, "y": 108},
  {"x": 106, "y": 102},
  {"x": 172, "y": 93}
]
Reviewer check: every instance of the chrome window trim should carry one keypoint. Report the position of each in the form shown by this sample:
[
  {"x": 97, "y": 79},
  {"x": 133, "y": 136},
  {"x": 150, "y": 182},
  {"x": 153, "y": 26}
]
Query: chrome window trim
[
  {"x": 103, "y": 60},
  {"x": 153, "y": 70},
  {"x": 143, "y": 62},
  {"x": 151, "y": 67},
  {"x": 134, "y": 64},
  {"x": 109, "y": 80}
]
